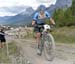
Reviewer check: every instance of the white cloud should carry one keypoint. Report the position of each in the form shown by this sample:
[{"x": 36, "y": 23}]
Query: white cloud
[
  {"x": 32, "y": 3},
  {"x": 7, "y": 3}
]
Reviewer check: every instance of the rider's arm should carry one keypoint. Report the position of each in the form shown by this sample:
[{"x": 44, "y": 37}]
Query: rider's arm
[
  {"x": 34, "y": 18},
  {"x": 33, "y": 22},
  {"x": 52, "y": 21},
  {"x": 2, "y": 33}
]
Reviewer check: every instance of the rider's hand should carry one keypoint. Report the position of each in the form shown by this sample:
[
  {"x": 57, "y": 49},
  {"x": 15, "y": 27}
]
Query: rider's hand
[
  {"x": 53, "y": 25},
  {"x": 35, "y": 25}
]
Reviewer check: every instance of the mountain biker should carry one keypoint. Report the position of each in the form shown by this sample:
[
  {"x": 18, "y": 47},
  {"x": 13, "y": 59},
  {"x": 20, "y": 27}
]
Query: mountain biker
[{"x": 38, "y": 19}]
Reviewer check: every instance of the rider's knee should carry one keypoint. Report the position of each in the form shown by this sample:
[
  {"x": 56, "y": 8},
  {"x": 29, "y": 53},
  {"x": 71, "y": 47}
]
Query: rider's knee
[{"x": 38, "y": 35}]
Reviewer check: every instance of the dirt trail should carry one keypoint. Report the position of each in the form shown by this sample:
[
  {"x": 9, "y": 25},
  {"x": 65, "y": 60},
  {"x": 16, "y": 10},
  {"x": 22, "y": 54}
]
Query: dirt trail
[{"x": 65, "y": 54}]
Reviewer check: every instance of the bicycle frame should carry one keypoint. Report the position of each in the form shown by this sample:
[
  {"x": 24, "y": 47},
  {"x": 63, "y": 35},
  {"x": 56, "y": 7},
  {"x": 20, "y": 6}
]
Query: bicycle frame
[{"x": 43, "y": 32}]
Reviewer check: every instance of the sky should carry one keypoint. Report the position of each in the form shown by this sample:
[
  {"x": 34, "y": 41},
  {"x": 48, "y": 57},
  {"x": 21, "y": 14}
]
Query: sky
[{"x": 33, "y": 3}]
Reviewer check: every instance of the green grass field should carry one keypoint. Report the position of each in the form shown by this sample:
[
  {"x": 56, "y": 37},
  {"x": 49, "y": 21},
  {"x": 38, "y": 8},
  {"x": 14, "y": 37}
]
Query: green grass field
[
  {"x": 61, "y": 35},
  {"x": 64, "y": 34},
  {"x": 3, "y": 53}
]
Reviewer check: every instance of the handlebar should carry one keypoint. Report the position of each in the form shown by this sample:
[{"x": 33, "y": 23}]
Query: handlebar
[{"x": 52, "y": 25}]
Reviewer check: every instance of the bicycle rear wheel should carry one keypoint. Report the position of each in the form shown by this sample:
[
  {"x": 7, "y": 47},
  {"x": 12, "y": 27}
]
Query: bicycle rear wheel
[{"x": 49, "y": 47}]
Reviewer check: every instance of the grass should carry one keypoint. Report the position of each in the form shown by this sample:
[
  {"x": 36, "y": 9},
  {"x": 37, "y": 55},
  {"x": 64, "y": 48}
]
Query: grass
[
  {"x": 61, "y": 35},
  {"x": 64, "y": 34},
  {"x": 12, "y": 48},
  {"x": 3, "y": 53}
]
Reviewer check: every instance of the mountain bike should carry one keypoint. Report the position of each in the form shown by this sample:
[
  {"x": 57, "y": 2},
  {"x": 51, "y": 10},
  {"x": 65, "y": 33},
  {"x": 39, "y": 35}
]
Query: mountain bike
[{"x": 46, "y": 43}]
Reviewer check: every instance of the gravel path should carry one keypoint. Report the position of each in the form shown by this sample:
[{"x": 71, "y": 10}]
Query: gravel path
[{"x": 65, "y": 54}]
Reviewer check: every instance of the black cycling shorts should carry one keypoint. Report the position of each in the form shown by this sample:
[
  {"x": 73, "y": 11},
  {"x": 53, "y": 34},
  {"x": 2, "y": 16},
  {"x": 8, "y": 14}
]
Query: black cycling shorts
[
  {"x": 37, "y": 29},
  {"x": 2, "y": 40}
]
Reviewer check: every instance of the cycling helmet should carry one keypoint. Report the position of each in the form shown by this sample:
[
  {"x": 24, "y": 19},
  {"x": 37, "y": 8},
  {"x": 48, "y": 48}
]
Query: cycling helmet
[{"x": 41, "y": 8}]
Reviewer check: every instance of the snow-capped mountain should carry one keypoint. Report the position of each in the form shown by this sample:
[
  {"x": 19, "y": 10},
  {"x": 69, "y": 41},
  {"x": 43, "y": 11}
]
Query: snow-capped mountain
[{"x": 28, "y": 11}]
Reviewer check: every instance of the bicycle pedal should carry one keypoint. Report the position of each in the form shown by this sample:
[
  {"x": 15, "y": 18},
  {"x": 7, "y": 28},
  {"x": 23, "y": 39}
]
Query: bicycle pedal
[{"x": 39, "y": 54}]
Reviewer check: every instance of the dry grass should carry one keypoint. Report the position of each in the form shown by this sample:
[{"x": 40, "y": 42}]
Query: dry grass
[
  {"x": 4, "y": 58},
  {"x": 65, "y": 34}
]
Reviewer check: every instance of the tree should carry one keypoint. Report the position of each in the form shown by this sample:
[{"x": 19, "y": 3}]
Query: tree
[
  {"x": 73, "y": 7},
  {"x": 65, "y": 17}
]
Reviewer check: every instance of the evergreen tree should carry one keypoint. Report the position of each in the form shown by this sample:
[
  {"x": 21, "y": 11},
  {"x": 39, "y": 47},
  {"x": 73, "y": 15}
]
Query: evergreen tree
[
  {"x": 65, "y": 17},
  {"x": 73, "y": 8}
]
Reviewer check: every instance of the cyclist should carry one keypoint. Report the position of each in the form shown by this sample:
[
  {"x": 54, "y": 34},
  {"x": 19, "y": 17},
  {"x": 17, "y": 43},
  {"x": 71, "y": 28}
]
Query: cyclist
[
  {"x": 38, "y": 19},
  {"x": 2, "y": 38}
]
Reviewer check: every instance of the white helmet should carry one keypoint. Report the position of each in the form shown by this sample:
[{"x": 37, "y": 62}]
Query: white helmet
[{"x": 46, "y": 27}]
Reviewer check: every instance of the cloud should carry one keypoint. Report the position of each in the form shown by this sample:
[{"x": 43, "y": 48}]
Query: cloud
[{"x": 33, "y": 3}]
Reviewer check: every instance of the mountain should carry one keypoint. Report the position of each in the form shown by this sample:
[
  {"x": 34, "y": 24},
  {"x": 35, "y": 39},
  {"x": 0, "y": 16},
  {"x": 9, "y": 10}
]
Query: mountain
[
  {"x": 1, "y": 20},
  {"x": 4, "y": 19},
  {"x": 60, "y": 4},
  {"x": 25, "y": 14},
  {"x": 22, "y": 18},
  {"x": 63, "y": 3},
  {"x": 14, "y": 9}
]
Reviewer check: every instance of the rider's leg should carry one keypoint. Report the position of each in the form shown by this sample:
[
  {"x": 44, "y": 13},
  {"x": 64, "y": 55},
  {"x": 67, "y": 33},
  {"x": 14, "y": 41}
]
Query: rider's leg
[
  {"x": 38, "y": 43},
  {"x": 3, "y": 43},
  {"x": 0, "y": 44},
  {"x": 38, "y": 34},
  {"x": 37, "y": 31}
]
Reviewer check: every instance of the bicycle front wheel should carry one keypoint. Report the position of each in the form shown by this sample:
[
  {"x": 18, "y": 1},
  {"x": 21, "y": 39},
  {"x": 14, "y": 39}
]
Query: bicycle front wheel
[{"x": 49, "y": 47}]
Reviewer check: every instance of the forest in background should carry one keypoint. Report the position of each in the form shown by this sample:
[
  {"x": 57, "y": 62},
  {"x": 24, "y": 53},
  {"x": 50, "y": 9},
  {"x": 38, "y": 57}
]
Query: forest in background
[{"x": 66, "y": 16}]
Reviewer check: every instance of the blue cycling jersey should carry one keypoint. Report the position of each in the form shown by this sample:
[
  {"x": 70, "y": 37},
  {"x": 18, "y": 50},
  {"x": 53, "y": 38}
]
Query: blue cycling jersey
[{"x": 38, "y": 18}]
